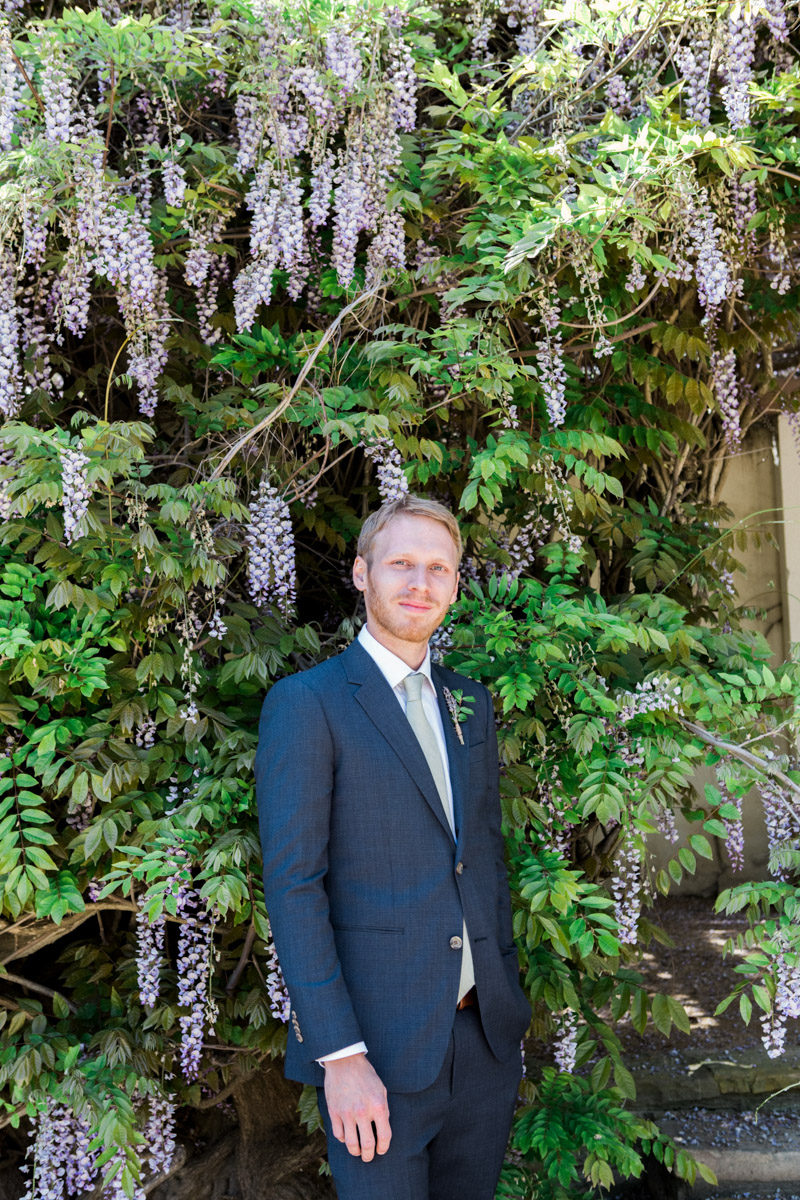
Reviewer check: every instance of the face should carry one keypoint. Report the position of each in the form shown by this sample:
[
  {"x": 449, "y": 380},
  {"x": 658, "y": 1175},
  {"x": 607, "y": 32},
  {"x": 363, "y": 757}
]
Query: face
[{"x": 410, "y": 583}]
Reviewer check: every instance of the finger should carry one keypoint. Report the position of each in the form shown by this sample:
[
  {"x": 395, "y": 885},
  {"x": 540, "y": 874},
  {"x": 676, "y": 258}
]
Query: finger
[
  {"x": 367, "y": 1139},
  {"x": 384, "y": 1131},
  {"x": 337, "y": 1126},
  {"x": 350, "y": 1138}
]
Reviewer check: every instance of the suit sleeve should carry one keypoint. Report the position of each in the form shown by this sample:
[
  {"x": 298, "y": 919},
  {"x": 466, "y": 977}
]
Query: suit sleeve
[
  {"x": 495, "y": 826},
  {"x": 294, "y": 785}
]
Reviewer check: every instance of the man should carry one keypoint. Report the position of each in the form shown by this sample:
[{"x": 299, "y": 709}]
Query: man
[{"x": 377, "y": 782}]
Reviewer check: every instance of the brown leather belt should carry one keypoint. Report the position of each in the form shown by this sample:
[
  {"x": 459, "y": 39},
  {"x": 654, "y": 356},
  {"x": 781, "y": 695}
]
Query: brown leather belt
[{"x": 468, "y": 1000}]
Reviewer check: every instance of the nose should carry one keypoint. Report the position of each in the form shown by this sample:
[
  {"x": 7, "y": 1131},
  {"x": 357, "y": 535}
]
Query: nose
[{"x": 417, "y": 580}]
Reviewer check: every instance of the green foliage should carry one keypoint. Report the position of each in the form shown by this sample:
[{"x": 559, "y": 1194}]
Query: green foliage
[{"x": 598, "y": 551}]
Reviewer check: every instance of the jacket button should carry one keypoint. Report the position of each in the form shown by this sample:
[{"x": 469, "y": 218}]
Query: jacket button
[
  {"x": 459, "y": 868},
  {"x": 455, "y": 943}
]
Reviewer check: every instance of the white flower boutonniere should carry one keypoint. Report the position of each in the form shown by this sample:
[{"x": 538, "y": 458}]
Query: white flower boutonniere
[{"x": 457, "y": 707}]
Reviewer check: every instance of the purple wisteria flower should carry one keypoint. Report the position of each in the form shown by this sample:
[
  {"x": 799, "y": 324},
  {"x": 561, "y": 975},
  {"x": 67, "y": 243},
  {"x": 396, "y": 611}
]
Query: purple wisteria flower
[
  {"x": 174, "y": 179},
  {"x": 726, "y": 391},
  {"x": 271, "y": 559},
  {"x": 10, "y": 89},
  {"x": 392, "y": 482},
  {"x": 350, "y": 216},
  {"x": 626, "y": 888},
  {"x": 75, "y": 492},
  {"x": 565, "y": 1042},
  {"x": 659, "y": 694},
  {"x": 343, "y": 58},
  {"x": 550, "y": 361},
  {"x": 159, "y": 1134},
  {"x": 693, "y": 59},
  {"x": 279, "y": 1003},
  {"x": 58, "y": 95},
  {"x": 714, "y": 281},
  {"x": 10, "y": 367},
  {"x": 150, "y": 948},
  {"x": 195, "y": 945},
  {"x": 402, "y": 80},
  {"x": 776, "y": 19},
  {"x": 783, "y": 829},
  {"x": 61, "y": 1163},
  {"x": 737, "y": 67}
]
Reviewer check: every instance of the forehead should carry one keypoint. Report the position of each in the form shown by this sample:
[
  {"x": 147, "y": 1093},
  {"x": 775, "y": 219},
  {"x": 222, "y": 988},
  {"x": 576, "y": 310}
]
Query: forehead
[{"x": 419, "y": 535}]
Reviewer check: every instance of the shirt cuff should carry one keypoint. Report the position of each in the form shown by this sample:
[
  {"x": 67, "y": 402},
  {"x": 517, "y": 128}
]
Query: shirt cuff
[{"x": 356, "y": 1048}]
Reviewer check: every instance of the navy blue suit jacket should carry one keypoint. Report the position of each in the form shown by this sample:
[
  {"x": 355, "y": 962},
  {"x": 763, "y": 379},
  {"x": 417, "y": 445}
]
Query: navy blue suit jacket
[{"x": 360, "y": 872}]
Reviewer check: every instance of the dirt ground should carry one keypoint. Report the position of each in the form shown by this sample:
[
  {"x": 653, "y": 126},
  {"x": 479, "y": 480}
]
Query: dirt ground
[{"x": 694, "y": 970}]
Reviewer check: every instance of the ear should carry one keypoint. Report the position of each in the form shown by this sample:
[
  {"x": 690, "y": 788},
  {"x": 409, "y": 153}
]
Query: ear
[
  {"x": 360, "y": 573},
  {"x": 454, "y": 596}
]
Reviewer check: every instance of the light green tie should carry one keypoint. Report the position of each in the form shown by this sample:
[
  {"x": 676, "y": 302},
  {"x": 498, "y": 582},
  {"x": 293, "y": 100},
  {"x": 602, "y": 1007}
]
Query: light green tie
[{"x": 415, "y": 711}]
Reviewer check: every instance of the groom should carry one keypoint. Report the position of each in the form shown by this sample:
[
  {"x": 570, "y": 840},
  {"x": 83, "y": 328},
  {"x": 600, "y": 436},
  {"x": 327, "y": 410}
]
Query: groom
[{"x": 384, "y": 879}]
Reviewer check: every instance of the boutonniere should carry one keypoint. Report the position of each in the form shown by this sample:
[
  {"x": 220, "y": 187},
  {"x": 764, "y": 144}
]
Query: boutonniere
[{"x": 459, "y": 711}]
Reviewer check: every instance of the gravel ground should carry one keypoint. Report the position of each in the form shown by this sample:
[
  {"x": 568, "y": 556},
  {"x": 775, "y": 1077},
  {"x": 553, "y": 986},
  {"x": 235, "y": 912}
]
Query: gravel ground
[{"x": 745, "y": 1130}]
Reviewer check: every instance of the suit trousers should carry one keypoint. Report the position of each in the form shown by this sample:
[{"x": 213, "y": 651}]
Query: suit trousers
[{"x": 448, "y": 1141}]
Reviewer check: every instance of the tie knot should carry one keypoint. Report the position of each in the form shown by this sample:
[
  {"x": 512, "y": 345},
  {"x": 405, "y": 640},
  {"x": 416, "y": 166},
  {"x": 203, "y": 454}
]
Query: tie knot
[{"x": 413, "y": 685}]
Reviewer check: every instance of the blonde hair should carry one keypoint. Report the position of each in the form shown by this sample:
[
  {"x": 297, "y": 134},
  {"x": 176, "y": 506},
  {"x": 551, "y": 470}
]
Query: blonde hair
[{"x": 411, "y": 506}]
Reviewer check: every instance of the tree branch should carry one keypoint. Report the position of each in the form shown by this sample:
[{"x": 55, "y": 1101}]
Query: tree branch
[
  {"x": 307, "y": 365},
  {"x": 236, "y": 974},
  {"x": 751, "y": 760},
  {"x": 38, "y": 987}
]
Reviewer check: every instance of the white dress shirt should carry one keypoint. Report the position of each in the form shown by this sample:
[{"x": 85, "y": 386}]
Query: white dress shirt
[{"x": 394, "y": 671}]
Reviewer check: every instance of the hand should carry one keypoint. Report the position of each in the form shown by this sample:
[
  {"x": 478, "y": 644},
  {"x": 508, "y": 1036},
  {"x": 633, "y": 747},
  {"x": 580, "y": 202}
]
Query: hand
[{"x": 356, "y": 1100}]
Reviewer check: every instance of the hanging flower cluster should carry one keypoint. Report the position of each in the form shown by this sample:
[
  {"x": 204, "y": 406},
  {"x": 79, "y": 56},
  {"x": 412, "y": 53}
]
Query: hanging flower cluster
[
  {"x": 151, "y": 934},
  {"x": 6, "y": 505},
  {"x": 62, "y": 1166},
  {"x": 271, "y": 560},
  {"x": 330, "y": 119},
  {"x": 550, "y": 361},
  {"x": 694, "y": 62},
  {"x": 392, "y": 482},
  {"x": 786, "y": 1001},
  {"x": 557, "y": 834},
  {"x": 75, "y": 492},
  {"x": 660, "y": 694},
  {"x": 195, "y": 949},
  {"x": 159, "y": 1134},
  {"x": 61, "y": 1163},
  {"x": 287, "y": 125},
  {"x": 10, "y": 370},
  {"x": 626, "y": 889},
  {"x": 783, "y": 828},
  {"x": 279, "y": 1003},
  {"x": 726, "y": 391},
  {"x": 565, "y": 1042},
  {"x": 737, "y": 69},
  {"x": 734, "y": 842}
]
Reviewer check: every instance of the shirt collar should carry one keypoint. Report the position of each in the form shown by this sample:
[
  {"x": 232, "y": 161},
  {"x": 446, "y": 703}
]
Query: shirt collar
[{"x": 393, "y": 669}]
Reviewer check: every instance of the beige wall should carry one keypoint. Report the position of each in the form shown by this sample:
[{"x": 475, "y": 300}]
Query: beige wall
[{"x": 761, "y": 480}]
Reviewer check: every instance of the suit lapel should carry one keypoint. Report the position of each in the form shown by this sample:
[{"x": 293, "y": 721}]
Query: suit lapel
[
  {"x": 382, "y": 707},
  {"x": 457, "y": 755}
]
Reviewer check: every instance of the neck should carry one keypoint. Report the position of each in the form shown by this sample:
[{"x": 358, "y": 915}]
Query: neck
[{"x": 411, "y": 653}]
